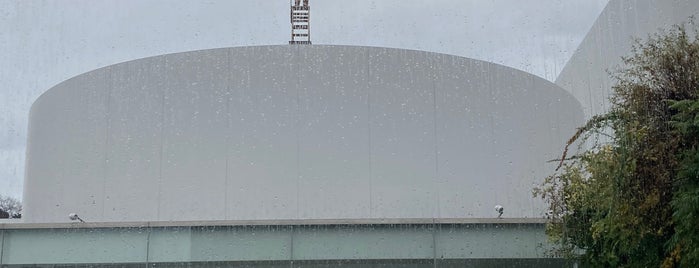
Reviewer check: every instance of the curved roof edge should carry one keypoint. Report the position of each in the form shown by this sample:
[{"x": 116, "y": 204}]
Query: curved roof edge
[{"x": 566, "y": 92}]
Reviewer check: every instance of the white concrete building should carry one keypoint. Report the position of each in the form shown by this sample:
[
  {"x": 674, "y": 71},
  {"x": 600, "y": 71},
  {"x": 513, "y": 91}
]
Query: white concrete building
[
  {"x": 587, "y": 73},
  {"x": 309, "y": 156},
  {"x": 294, "y": 132}
]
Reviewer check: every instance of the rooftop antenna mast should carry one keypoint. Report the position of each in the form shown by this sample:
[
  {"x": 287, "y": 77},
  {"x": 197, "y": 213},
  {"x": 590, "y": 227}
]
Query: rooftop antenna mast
[{"x": 300, "y": 22}]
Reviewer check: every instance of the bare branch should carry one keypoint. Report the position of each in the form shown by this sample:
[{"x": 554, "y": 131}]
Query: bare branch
[{"x": 594, "y": 123}]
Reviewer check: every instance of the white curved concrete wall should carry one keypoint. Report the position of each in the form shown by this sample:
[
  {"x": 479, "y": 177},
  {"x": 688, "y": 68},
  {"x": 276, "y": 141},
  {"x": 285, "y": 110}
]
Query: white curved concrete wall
[
  {"x": 611, "y": 37},
  {"x": 294, "y": 132}
]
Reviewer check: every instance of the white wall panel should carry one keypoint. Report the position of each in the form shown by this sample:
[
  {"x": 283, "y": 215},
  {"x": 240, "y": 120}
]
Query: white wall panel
[
  {"x": 586, "y": 75},
  {"x": 294, "y": 132}
]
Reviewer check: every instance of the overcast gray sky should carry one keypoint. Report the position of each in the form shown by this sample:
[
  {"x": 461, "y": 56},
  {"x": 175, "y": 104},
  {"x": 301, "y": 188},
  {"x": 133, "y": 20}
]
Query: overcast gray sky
[{"x": 45, "y": 42}]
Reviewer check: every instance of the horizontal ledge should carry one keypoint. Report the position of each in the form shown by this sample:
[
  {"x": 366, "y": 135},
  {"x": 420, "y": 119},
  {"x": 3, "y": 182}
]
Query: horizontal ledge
[
  {"x": 388, "y": 262},
  {"x": 307, "y": 222}
]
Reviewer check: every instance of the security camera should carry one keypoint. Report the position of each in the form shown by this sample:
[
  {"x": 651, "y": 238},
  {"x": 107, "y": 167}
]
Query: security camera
[
  {"x": 74, "y": 216},
  {"x": 499, "y": 209}
]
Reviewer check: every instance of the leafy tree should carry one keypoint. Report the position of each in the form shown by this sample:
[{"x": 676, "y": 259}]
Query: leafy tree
[
  {"x": 11, "y": 206},
  {"x": 684, "y": 244},
  {"x": 631, "y": 199}
]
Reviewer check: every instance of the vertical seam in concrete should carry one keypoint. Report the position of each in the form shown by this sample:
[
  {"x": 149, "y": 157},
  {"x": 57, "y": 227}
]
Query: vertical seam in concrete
[
  {"x": 2, "y": 245},
  {"x": 368, "y": 107},
  {"x": 106, "y": 141},
  {"x": 436, "y": 140},
  {"x": 148, "y": 246},
  {"x": 226, "y": 138},
  {"x": 434, "y": 244},
  {"x": 297, "y": 72},
  {"x": 291, "y": 247},
  {"x": 162, "y": 138},
  {"x": 189, "y": 235}
]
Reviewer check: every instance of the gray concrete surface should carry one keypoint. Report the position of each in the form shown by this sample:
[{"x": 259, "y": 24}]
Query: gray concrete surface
[
  {"x": 586, "y": 75},
  {"x": 294, "y": 132}
]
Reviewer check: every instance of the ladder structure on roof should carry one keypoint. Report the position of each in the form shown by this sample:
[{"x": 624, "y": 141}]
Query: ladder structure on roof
[{"x": 300, "y": 23}]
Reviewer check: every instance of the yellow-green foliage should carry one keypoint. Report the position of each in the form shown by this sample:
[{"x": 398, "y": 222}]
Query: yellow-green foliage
[{"x": 631, "y": 199}]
